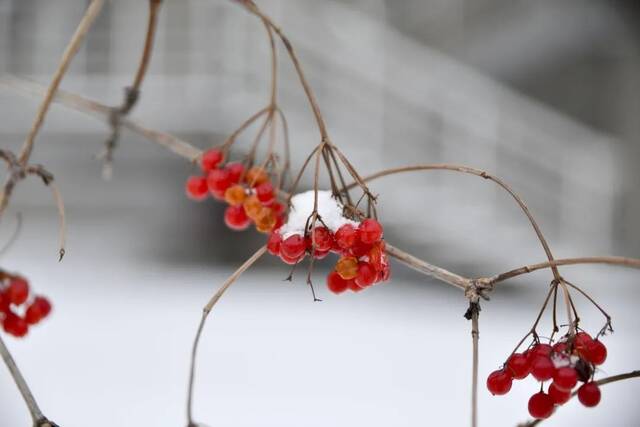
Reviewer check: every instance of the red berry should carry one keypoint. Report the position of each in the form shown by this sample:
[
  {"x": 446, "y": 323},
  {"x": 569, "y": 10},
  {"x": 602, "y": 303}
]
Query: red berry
[
  {"x": 596, "y": 352},
  {"x": 293, "y": 246},
  {"x": 4, "y": 303},
  {"x": 38, "y": 310},
  {"x": 589, "y": 394},
  {"x": 559, "y": 395},
  {"x": 273, "y": 244},
  {"x": 580, "y": 343},
  {"x": 265, "y": 192},
  {"x": 236, "y": 218},
  {"x": 15, "y": 325},
  {"x": 559, "y": 347},
  {"x": 565, "y": 378},
  {"x": 323, "y": 239},
  {"x": 542, "y": 368},
  {"x": 218, "y": 181},
  {"x": 290, "y": 260},
  {"x": 18, "y": 291},
  {"x": 197, "y": 188},
  {"x": 336, "y": 284},
  {"x": 353, "y": 286},
  {"x": 211, "y": 159},
  {"x": 346, "y": 236},
  {"x": 366, "y": 275},
  {"x": 540, "y": 406},
  {"x": 518, "y": 365},
  {"x": 370, "y": 231},
  {"x": 499, "y": 382},
  {"x": 360, "y": 248},
  {"x": 235, "y": 170},
  {"x": 540, "y": 350}
]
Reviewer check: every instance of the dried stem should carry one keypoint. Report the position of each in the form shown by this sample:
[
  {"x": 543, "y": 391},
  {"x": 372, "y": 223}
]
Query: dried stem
[
  {"x": 205, "y": 313},
  {"x": 74, "y": 44},
  {"x": 475, "y": 336},
  {"x": 34, "y": 409},
  {"x": 601, "y": 382}
]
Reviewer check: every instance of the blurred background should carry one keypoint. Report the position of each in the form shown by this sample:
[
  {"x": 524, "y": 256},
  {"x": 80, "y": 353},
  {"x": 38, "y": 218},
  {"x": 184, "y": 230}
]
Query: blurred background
[{"x": 545, "y": 95}]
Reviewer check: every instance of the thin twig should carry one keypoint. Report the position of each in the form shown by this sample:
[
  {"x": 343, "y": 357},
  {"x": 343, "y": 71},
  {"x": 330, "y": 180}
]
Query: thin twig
[
  {"x": 475, "y": 336},
  {"x": 205, "y": 313}
]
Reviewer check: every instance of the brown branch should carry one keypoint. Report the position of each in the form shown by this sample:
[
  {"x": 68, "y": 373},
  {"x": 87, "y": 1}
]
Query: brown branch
[
  {"x": 205, "y": 313},
  {"x": 475, "y": 336},
  {"x": 601, "y": 382}
]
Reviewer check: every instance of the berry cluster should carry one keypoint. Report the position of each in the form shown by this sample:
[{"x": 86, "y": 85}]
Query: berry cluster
[
  {"x": 249, "y": 193},
  {"x": 362, "y": 263},
  {"x": 14, "y": 298},
  {"x": 566, "y": 363}
]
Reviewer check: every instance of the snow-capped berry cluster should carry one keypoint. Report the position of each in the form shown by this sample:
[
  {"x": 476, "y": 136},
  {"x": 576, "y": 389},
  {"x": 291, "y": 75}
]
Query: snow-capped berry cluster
[
  {"x": 363, "y": 261},
  {"x": 18, "y": 310},
  {"x": 566, "y": 363},
  {"x": 249, "y": 193}
]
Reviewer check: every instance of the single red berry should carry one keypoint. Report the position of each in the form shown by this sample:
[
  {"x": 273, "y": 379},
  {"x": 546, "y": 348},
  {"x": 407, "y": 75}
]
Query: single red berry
[
  {"x": 581, "y": 342},
  {"x": 38, "y": 310},
  {"x": 15, "y": 325},
  {"x": 360, "y": 248},
  {"x": 235, "y": 171},
  {"x": 540, "y": 350},
  {"x": 589, "y": 394},
  {"x": 596, "y": 352},
  {"x": 323, "y": 239},
  {"x": 540, "y": 406},
  {"x": 197, "y": 188},
  {"x": 346, "y": 236},
  {"x": 518, "y": 365},
  {"x": 499, "y": 382},
  {"x": 290, "y": 260},
  {"x": 4, "y": 303},
  {"x": 366, "y": 275},
  {"x": 18, "y": 291},
  {"x": 211, "y": 159},
  {"x": 353, "y": 286},
  {"x": 559, "y": 395},
  {"x": 218, "y": 181},
  {"x": 559, "y": 347},
  {"x": 293, "y": 246},
  {"x": 542, "y": 368},
  {"x": 370, "y": 231},
  {"x": 336, "y": 284},
  {"x": 236, "y": 218},
  {"x": 265, "y": 192},
  {"x": 273, "y": 244},
  {"x": 565, "y": 378}
]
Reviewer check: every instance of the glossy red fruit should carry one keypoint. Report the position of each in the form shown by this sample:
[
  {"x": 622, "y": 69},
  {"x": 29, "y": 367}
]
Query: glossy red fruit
[
  {"x": 360, "y": 248},
  {"x": 18, "y": 291},
  {"x": 542, "y": 368},
  {"x": 323, "y": 239},
  {"x": 273, "y": 243},
  {"x": 589, "y": 394},
  {"x": 38, "y": 310},
  {"x": 218, "y": 181},
  {"x": 290, "y": 260},
  {"x": 197, "y": 188},
  {"x": 559, "y": 347},
  {"x": 540, "y": 350},
  {"x": 15, "y": 325},
  {"x": 366, "y": 275},
  {"x": 540, "y": 406},
  {"x": 336, "y": 284},
  {"x": 559, "y": 395},
  {"x": 353, "y": 286},
  {"x": 4, "y": 303},
  {"x": 293, "y": 247},
  {"x": 265, "y": 192},
  {"x": 211, "y": 159},
  {"x": 235, "y": 171},
  {"x": 518, "y": 365},
  {"x": 346, "y": 236},
  {"x": 236, "y": 218},
  {"x": 565, "y": 378},
  {"x": 596, "y": 352},
  {"x": 499, "y": 382},
  {"x": 370, "y": 231},
  {"x": 581, "y": 342}
]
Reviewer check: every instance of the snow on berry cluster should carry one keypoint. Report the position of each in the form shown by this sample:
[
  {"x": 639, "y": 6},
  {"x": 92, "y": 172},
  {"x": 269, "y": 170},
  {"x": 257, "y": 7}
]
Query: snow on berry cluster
[
  {"x": 18, "y": 310},
  {"x": 362, "y": 259},
  {"x": 566, "y": 363},
  {"x": 249, "y": 193}
]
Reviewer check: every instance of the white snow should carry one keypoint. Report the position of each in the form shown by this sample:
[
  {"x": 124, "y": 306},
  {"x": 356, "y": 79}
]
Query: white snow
[{"x": 329, "y": 210}]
